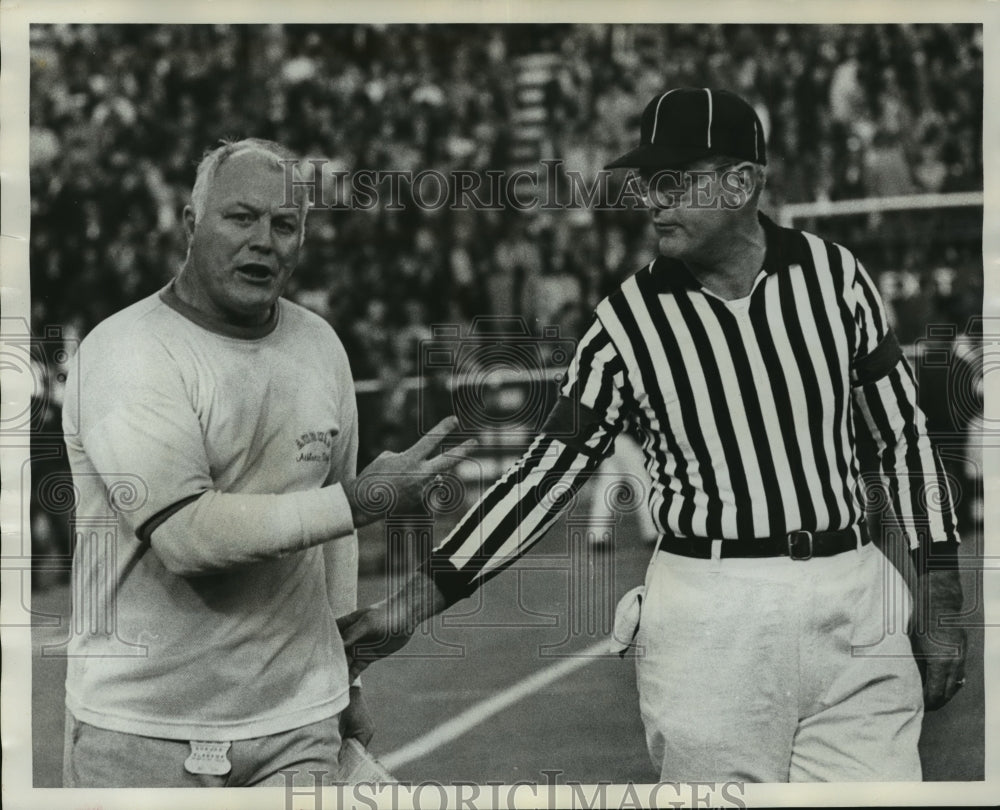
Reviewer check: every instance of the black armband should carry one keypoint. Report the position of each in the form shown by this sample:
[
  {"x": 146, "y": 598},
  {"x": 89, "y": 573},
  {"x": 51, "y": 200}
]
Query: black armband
[
  {"x": 879, "y": 361},
  {"x": 574, "y": 425}
]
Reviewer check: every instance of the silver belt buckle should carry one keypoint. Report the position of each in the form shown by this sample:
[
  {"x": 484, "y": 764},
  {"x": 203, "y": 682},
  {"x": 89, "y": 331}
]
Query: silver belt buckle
[
  {"x": 794, "y": 545},
  {"x": 210, "y": 758}
]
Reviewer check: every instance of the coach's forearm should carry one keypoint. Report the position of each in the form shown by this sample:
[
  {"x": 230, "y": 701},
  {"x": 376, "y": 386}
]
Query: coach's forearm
[{"x": 226, "y": 530}]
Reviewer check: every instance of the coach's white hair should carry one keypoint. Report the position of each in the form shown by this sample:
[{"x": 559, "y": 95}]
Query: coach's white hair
[{"x": 213, "y": 159}]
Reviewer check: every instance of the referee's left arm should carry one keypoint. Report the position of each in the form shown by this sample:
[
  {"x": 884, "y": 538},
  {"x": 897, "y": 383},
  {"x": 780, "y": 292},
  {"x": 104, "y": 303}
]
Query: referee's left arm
[{"x": 885, "y": 396}]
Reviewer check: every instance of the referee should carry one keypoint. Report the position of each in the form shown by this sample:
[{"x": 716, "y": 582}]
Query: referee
[{"x": 749, "y": 356}]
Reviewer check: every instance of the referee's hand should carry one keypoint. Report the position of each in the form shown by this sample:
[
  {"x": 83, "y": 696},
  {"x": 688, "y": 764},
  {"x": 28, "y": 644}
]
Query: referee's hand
[
  {"x": 370, "y": 634},
  {"x": 939, "y": 648},
  {"x": 399, "y": 480},
  {"x": 379, "y": 630}
]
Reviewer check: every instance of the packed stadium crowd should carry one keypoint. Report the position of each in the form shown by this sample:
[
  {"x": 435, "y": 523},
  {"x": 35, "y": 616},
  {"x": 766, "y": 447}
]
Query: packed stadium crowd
[{"x": 120, "y": 115}]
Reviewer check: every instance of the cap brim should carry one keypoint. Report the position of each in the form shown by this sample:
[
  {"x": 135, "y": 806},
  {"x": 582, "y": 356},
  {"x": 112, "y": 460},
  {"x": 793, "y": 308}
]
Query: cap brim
[{"x": 652, "y": 156}]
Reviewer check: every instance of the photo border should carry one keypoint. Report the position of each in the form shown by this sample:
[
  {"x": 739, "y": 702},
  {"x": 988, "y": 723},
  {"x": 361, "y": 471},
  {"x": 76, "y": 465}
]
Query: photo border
[{"x": 15, "y": 18}]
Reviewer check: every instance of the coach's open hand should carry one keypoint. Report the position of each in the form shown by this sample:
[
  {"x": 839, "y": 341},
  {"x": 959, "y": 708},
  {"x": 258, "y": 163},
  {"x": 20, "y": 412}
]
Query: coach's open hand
[
  {"x": 398, "y": 480},
  {"x": 379, "y": 630},
  {"x": 939, "y": 650}
]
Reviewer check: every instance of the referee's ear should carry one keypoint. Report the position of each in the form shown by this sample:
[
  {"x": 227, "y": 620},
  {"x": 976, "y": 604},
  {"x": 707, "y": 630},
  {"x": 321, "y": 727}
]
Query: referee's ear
[{"x": 753, "y": 178}]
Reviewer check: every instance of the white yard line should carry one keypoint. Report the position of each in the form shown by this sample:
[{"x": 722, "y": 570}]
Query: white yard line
[{"x": 482, "y": 711}]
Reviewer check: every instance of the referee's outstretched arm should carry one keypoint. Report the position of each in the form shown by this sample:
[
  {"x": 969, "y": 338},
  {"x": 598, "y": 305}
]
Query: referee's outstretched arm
[{"x": 516, "y": 511}]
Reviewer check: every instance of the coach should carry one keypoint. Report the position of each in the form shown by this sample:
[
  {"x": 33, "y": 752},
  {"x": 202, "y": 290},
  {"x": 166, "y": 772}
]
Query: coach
[
  {"x": 750, "y": 356},
  {"x": 231, "y": 414}
]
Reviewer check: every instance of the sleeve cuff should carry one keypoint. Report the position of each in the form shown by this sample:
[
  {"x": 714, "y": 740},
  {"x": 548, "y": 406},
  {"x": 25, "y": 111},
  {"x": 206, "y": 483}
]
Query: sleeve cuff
[
  {"x": 453, "y": 584},
  {"x": 324, "y": 513},
  {"x": 145, "y": 531}
]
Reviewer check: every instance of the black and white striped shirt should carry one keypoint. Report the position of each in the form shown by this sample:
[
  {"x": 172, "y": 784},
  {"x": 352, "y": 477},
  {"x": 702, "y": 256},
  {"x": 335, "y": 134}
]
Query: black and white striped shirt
[{"x": 747, "y": 409}]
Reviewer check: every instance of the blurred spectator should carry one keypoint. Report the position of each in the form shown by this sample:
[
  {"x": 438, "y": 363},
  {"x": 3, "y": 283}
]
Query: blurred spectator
[
  {"x": 887, "y": 170},
  {"x": 370, "y": 342},
  {"x": 411, "y": 336},
  {"x": 930, "y": 173},
  {"x": 847, "y": 97}
]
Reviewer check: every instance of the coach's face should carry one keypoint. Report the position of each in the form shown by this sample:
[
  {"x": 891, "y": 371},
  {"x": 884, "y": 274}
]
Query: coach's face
[
  {"x": 692, "y": 209},
  {"x": 246, "y": 243}
]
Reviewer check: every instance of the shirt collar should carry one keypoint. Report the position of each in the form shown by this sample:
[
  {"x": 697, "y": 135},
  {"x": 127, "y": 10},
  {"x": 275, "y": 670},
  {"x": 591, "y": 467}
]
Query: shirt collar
[
  {"x": 671, "y": 275},
  {"x": 780, "y": 245},
  {"x": 169, "y": 297}
]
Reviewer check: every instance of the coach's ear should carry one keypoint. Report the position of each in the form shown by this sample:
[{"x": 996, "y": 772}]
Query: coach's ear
[{"x": 188, "y": 215}]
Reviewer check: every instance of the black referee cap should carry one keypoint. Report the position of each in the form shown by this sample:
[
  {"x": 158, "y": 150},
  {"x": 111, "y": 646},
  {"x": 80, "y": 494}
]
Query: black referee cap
[{"x": 689, "y": 123}]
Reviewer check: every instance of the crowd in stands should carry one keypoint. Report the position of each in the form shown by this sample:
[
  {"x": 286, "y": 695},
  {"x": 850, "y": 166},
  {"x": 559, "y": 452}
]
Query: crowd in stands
[{"x": 121, "y": 114}]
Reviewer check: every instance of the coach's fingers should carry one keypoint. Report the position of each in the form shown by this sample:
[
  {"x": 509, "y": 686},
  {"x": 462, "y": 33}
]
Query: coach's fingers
[
  {"x": 428, "y": 444},
  {"x": 450, "y": 458}
]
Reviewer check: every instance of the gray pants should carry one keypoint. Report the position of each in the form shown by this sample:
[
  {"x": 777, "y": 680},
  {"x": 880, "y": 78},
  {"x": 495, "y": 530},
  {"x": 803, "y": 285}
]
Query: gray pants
[
  {"x": 98, "y": 758},
  {"x": 778, "y": 670}
]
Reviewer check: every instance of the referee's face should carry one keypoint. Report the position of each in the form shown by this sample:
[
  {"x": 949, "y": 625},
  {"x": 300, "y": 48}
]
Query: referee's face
[
  {"x": 246, "y": 243},
  {"x": 692, "y": 208}
]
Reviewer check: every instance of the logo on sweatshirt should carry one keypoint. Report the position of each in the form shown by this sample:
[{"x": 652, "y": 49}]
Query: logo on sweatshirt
[{"x": 315, "y": 445}]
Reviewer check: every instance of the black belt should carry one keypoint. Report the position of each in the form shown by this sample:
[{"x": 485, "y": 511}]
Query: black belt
[{"x": 799, "y": 545}]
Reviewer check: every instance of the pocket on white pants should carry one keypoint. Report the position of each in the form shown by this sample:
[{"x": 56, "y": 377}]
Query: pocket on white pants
[{"x": 628, "y": 616}]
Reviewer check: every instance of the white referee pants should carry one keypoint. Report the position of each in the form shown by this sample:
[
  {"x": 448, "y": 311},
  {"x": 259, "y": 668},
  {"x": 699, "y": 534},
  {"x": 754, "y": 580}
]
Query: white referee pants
[{"x": 778, "y": 670}]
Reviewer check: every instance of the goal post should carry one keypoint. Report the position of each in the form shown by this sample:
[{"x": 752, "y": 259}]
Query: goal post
[
  {"x": 924, "y": 251},
  {"x": 794, "y": 212}
]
